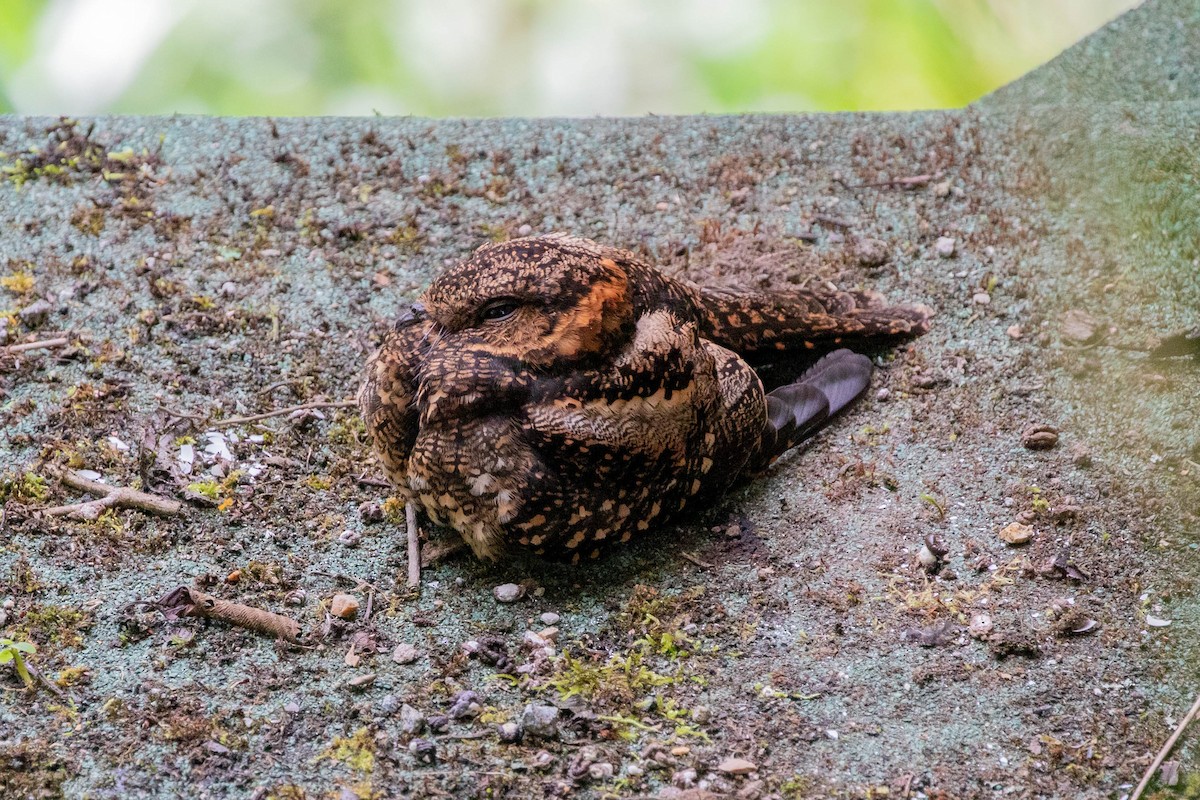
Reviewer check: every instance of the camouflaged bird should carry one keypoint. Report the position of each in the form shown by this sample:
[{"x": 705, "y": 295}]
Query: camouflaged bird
[{"x": 560, "y": 395}]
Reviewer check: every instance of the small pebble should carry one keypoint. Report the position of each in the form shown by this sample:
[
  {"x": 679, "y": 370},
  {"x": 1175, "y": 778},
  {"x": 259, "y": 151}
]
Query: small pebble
[
  {"x": 296, "y": 597},
  {"x": 684, "y": 778},
  {"x": 424, "y": 750},
  {"x": 945, "y": 246},
  {"x": 1078, "y": 326},
  {"x": 1015, "y": 332},
  {"x": 507, "y": 593},
  {"x": 525, "y": 230},
  {"x": 1016, "y": 533},
  {"x": 883, "y": 394},
  {"x": 549, "y": 634},
  {"x": 460, "y": 707},
  {"x": 344, "y": 606},
  {"x": 1081, "y": 456},
  {"x": 35, "y": 313},
  {"x": 549, "y": 618},
  {"x": 388, "y": 704},
  {"x": 737, "y": 766},
  {"x": 871, "y": 253},
  {"x": 662, "y": 206},
  {"x": 292, "y": 707},
  {"x": 601, "y": 771},
  {"x": 540, "y": 721},
  {"x": 1039, "y": 437},
  {"x": 981, "y": 299},
  {"x": 360, "y": 682},
  {"x": 701, "y": 714},
  {"x": 412, "y": 721},
  {"x": 509, "y": 732},
  {"x": 405, "y": 653},
  {"x": 438, "y": 723},
  {"x": 941, "y": 189},
  {"x": 234, "y": 576},
  {"x": 349, "y": 538},
  {"x": 981, "y": 626},
  {"x": 928, "y": 559},
  {"x": 752, "y": 790}
]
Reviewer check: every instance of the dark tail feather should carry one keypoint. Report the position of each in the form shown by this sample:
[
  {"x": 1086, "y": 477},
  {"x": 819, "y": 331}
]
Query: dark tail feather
[
  {"x": 797, "y": 411},
  {"x": 751, "y": 323}
]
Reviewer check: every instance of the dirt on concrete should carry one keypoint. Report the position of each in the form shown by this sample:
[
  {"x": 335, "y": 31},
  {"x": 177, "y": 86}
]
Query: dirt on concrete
[{"x": 853, "y": 624}]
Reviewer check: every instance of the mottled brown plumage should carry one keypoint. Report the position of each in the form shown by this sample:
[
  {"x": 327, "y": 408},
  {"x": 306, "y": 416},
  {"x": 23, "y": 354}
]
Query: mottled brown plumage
[{"x": 560, "y": 395}]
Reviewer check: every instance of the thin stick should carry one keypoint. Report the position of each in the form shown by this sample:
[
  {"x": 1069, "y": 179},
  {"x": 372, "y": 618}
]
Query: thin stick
[
  {"x": 834, "y": 222},
  {"x": 1166, "y": 750},
  {"x": 363, "y": 480},
  {"x": 696, "y": 561},
  {"x": 44, "y": 343},
  {"x": 185, "y": 602},
  {"x": 914, "y": 180},
  {"x": 414, "y": 543},
  {"x": 226, "y": 423},
  {"x": 109, "y": 497}
]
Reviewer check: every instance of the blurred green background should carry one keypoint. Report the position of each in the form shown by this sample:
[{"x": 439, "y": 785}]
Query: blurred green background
[{"x": 523, "y": 57}]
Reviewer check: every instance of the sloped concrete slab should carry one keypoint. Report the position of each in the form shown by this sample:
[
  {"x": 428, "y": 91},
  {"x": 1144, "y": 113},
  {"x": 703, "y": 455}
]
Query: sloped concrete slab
[{"x": 206, "y": 269}]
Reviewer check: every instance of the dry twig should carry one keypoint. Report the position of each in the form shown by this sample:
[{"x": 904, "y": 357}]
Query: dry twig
[
  {"x": 414, "y": 544},
  {"x": 185, "y": 602},
  {"x": 834, "y": 222},
  {"x": 59, "y": 341},
  {"x": 230, "y": 422},
  {"x": 909, "y": 182},
  {"x": 109, "y": 497},
  {"x": 1166, "y": 749}
]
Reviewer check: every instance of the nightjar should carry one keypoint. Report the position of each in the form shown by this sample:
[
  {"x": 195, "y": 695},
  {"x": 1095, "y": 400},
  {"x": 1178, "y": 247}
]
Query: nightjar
[{"x": 560, "y": 395}]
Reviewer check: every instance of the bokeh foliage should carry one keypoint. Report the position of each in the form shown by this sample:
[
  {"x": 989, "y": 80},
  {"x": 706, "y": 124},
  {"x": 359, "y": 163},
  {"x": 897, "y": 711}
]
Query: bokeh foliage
[{"x": 522, "y": 57}]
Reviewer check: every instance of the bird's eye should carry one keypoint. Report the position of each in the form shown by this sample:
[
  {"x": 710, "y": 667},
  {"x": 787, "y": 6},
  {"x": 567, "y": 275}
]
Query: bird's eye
[{"x": 498, "y": 310}]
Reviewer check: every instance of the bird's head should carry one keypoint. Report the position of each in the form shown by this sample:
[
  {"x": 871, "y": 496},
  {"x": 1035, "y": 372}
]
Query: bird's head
[{"x": 542, "y": 300}]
